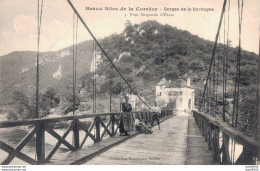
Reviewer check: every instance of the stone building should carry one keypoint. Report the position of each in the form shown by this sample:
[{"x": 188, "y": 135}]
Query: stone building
[{"x": 178, "y": 94}]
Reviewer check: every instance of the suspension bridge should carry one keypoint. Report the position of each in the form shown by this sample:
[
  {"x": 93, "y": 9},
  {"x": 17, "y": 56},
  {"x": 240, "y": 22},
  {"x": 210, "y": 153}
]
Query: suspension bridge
[{"x": 201, "y": 136}]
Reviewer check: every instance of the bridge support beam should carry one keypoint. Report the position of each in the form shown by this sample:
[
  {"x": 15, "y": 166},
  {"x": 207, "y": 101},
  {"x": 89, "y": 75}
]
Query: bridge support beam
[
  {"x": 76, "y": 135},
  {"x": 40, "y": 144},
  {"x": 225, "y": 146},
  {"x": 97, "y": 129},
  {"x": 112, "y": 119},
  {"x": 215, "y": 150}
]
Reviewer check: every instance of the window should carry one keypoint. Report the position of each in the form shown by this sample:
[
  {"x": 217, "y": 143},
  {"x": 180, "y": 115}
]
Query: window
[
  {"x": 180, "y": 100},
  {"x": 172, "y": 93}
]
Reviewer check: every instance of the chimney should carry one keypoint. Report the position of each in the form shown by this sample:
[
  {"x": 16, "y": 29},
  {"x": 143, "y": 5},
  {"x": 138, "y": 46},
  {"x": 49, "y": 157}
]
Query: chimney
[{"x": 188, "y": 81}]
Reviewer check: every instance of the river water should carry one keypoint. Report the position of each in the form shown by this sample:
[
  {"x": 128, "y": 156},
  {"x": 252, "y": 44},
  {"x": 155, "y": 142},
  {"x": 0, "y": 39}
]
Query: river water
[{"x": 12, "y": 136}]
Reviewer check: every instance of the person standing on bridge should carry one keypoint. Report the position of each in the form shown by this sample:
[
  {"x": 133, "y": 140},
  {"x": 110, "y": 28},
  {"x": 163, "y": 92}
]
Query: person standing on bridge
[
  {"x": 157, "y": 111},
  {"x": 125, "y": 120}
]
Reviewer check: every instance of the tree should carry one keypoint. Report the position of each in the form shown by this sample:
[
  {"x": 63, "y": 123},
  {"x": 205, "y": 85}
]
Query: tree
[
  {"x": 126, "y": 59},
  {"x": 105, "y": 87},
  {"x": 196, "y": 66},
  {"x": 171, "y": 76},
  {"x": 22, "y": 109},
  {"x": 183, "y": 67},
  {"x": 138, "y": 63},
  {"x": 47, "y": 101},
  {"x": 68, "y": 103},
  {"x": 127, "y": 70},
  {"x": 117, "y": 88},
  {"x": 128, "y": 29}
]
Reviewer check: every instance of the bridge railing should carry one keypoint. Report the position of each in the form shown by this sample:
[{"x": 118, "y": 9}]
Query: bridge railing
[
  {"x": 95, "y": 131},
  {"x": 222, "y": 139}
]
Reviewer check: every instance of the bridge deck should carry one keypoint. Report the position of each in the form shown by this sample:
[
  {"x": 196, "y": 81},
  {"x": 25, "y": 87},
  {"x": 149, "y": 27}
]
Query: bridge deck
[
  {"x": 88, "y": 152},
  {"x": 197, "y": 148},
  {"x": 165, "y": 146},
  {"x": 176, "y": 143}
]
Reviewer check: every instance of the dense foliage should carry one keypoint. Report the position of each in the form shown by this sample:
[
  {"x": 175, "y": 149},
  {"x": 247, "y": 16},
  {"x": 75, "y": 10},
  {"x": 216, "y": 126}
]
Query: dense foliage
[{"x": 141, "y": 49}]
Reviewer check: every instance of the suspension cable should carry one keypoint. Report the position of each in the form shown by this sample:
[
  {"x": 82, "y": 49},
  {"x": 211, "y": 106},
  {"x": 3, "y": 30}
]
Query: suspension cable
[
  {"x": 75, "y": 63},
  {"x": 39, "y": 19},
  {"x": 225, "y": 64},
  {"x": 223, "y": 76},
  {"x": 73, "y": 56},
  {"x": 164, "y": 70},
  {"x": 104, "y": 52},
  {"x": 110, "y": 88},
  {"x": 93, "y": 82},
  {"x": 214, "y": 49},
  {"x": 257, "y": 124},
  {"x": 240, "y": 14},
  {"x": 217, "y": 70},
  {"x": 217, "y": 76},
  {"x": 214, "y": 88},
  {"x": 94, "y": 76}
]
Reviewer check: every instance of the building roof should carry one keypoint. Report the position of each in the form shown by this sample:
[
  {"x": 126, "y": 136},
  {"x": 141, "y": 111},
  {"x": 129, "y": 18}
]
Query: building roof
[
  {"x": 162, "y": 82},
  {"x": 180, "y": 82}
]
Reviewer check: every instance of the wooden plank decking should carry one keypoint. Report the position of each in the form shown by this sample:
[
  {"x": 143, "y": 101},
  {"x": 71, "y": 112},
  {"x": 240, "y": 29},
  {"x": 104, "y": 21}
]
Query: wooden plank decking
[
  {"x": 178, "y": 142},
  {"x": 88, "y": 152},
  {"x": 165, "y": 146},
  {"x": 197, "y": 148},
  {"x": 84, "y": 154}
]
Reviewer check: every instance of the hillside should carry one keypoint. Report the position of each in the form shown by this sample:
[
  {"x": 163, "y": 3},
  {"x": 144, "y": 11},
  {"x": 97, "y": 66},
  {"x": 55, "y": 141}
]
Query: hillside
[
  {"x": 139, "y": 53},
  {"x": 18, "y": 70}
]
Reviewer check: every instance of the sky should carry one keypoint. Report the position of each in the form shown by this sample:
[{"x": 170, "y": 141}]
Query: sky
[{"x": 18, "y": 21}]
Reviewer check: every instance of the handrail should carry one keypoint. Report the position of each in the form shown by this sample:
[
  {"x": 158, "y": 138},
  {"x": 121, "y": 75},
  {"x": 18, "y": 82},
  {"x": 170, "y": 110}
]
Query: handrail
[
  {"x": 5, "y": 124},
  {"x": 231, "y": 131},
  {"x": 82, "y": 115},
  {"x": 41, "y": 125},
  {"x": 210, "y": 128}
]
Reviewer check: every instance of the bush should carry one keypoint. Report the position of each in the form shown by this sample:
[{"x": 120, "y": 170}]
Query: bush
[
  {"x": 117, "y": 88},
  {"x": 129, "y": 79},
  {"x": 171, "y": 76},
  {"x": 126, "y": 59},
  {"x": 147, "y": 76},
  {"x": 105, "y": 87},
  {"x": 12, "y": 116},
  {"x": 138, "y": 64},
  {"x": 183, "y": 67},
  {"x": 196, "y": 66},
  {"x": 127, "y": 70}
]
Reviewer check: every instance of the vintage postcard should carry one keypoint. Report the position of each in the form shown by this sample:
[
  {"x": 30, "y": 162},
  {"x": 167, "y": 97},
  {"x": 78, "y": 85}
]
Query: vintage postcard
[{"x": 129, "y": 82}]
